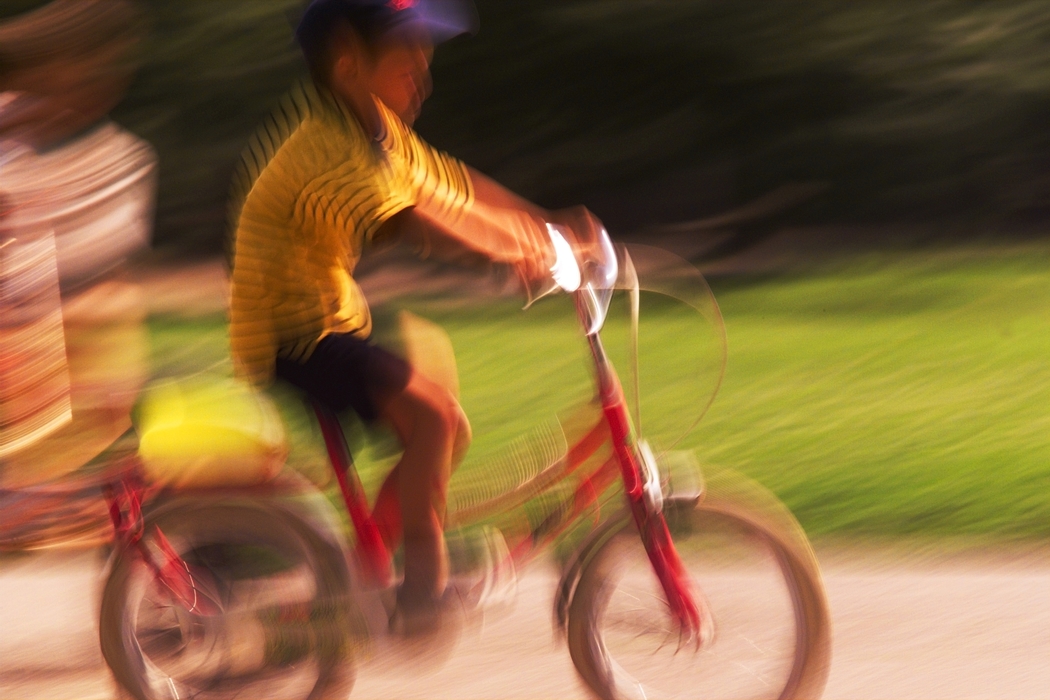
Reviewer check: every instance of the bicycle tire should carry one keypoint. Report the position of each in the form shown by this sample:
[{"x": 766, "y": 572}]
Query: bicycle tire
[
  {"x": 284, "y": 628},
  {"x": 610, "y": 642}
]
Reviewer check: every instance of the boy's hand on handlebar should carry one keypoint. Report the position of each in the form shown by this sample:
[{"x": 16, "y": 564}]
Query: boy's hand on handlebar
[
  {"x": 586, "y": 231},
  {"x": 538, "y": 255},
  {"x": 584, "y": 225},
  {"x": 533, "y": 267}
]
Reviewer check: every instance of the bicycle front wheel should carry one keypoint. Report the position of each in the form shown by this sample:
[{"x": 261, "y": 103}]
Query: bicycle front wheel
[{"x": 759, "y": 588}]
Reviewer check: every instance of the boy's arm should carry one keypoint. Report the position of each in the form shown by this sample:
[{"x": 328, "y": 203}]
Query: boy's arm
[{"x": 498, "y": 226}]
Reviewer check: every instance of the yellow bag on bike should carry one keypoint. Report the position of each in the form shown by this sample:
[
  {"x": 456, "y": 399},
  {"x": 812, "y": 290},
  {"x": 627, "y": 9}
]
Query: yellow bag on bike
[{"x": 209, "y": 434}]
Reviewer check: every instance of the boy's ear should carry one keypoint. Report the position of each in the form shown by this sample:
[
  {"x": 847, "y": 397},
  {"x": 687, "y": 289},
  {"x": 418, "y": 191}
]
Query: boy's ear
[{"x": 345, "y": 67}]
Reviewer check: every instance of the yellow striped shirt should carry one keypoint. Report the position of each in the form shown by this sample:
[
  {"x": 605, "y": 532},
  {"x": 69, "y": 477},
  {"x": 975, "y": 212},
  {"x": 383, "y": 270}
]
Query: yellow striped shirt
[{"x": 311, "y": 191}]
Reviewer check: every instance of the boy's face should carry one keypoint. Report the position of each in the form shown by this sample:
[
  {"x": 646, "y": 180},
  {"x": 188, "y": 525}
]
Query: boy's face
[{"x": 399, "y": 71}]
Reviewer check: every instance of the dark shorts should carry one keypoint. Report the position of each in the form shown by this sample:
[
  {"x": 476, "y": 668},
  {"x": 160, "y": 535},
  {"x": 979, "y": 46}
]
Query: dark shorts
[{"x": 345, "y": 371}]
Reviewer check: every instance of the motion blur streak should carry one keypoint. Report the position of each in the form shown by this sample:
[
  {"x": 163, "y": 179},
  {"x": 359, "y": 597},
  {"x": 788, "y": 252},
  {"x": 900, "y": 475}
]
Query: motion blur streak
[
  {"x": 34, "y": 378},
  {"x": 76, "y": 198}
]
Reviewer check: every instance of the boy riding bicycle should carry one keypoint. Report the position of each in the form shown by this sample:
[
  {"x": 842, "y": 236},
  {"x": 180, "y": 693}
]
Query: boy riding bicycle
[{"x": 338, "y": 167}]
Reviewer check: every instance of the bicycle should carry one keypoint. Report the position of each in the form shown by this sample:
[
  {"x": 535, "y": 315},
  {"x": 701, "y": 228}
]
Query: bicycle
[{"x": 248, "y": 591}]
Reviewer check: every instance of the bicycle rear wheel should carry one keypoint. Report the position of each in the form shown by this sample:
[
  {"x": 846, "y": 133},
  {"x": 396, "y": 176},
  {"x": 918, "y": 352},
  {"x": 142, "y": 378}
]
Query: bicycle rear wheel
[
  {"x": 284, "y": 619},
  {"x": 756, "y": 578}
]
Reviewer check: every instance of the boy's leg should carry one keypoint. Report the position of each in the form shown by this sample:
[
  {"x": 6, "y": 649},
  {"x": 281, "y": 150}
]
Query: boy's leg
[
  {"x": 344, "y": 372},
  {"x": 387, "y": 510},
  {"x": 427, "y": 419}
]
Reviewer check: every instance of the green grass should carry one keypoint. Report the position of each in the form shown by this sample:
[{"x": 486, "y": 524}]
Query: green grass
[
  {"x": 895, "y": 395},
  {"x": 905, "y": 396}
]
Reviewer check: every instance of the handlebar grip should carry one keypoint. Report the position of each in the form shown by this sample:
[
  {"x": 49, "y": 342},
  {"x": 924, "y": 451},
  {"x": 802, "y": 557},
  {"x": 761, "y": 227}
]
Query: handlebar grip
[{"x": 566, "y": 269}]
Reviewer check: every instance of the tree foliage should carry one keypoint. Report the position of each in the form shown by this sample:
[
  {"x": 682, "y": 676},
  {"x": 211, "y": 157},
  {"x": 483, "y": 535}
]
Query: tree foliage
[{"x": 654, "y": 109}]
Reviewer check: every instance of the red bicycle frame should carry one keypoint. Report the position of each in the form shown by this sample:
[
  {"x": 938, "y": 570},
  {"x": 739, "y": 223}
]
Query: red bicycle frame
[
  {"x": 625, "y": 463},
  {"x": 125, "y": 499}
]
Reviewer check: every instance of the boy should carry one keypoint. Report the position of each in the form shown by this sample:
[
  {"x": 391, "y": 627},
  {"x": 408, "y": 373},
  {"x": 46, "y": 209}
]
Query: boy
[{"x": 337, "y": 167}]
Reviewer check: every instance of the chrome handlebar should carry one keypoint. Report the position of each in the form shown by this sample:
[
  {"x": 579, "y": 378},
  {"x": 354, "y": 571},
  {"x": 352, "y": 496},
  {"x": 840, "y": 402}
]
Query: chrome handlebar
[{"x": 587, "y": 268}]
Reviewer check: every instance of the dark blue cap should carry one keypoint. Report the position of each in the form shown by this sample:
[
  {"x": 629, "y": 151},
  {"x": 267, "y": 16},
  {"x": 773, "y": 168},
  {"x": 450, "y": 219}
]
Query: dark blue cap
[{"x": 443, "y": 19}]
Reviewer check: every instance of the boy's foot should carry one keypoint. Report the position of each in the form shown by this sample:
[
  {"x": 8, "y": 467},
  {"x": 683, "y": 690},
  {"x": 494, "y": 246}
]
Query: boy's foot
[
  {"x": 482, "y": 577},
  {"x": 482, "y": 568},
  {"x": 417, "y": 616}
]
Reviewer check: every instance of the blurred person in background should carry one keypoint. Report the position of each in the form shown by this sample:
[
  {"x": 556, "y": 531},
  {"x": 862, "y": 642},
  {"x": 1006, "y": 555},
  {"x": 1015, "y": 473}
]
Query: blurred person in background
[
  {"x": 338, "y": 167},
  {"x": 78, "y": 201}
]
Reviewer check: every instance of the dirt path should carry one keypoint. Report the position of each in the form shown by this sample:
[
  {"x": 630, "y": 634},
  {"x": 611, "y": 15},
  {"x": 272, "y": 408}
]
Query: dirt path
[{"x": 919, "y": 627}]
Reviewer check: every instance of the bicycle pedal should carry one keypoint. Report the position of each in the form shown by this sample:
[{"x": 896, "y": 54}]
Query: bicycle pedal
[{"x": 482, "y": 570}]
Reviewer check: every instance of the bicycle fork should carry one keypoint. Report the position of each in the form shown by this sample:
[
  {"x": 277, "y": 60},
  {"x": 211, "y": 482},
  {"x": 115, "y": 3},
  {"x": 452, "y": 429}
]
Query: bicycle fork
[
  {"x": 172, "y": 572},
  {"x": 642, "y": 488}
]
